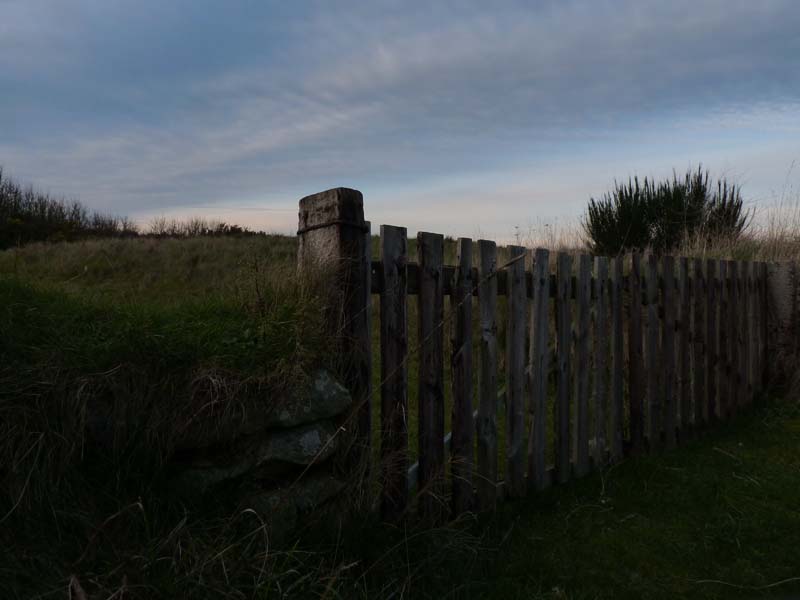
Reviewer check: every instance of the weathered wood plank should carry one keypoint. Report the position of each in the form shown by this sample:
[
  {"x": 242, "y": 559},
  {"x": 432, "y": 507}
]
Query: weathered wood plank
[
  {"x": 755, "y": 342},
  {"x": 699, "y": 366},
  {"x": 766, "y": 361},
  {"x": 461, "y": 453},
  {"x": 540, "y": 363},
  {"x": 394, "y": 373},
  {"x": 582, "y": 367},
  {"x": 654, "y": 405},
  {"x": 736, "y": 333},
  {"x": 753, "y": 334},
  {"x": 746, "y": 335},
  {"x": 724, "y": 362},
  {"x": 759, "y": 314},
  {"x": 684, "y": 350},
  {"x": 359, "y": 379},
  {"x": 412, "y": 270},
  {"x": 636, "y": 356},
  {"x": 712, "y": 352},
  {"x": 431, "y": 367},
  {"x": 668, "y": 351},
  {"x": 601, "y": 352},
  {"x": 617, "y": 363},
  {"x": 564, "y": 349},
  {"x": 487, "y": 409},
  {"x": 515, "y": 374}
]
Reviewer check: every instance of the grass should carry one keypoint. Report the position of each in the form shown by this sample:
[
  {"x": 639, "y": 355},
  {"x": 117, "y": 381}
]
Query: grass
[
  {"x": 142, "y": 321},
  {"x": 716, "y": 519},
  {"x": 148, "y": 333},
  {"x": 151, "y": 270}
]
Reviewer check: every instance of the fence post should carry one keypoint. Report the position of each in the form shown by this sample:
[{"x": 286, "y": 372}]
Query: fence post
[{"x": 334, "y": 239}]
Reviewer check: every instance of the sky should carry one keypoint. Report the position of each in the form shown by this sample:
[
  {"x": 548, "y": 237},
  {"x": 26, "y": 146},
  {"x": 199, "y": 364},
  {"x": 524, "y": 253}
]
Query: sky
[{"x": 467, "y": 118}]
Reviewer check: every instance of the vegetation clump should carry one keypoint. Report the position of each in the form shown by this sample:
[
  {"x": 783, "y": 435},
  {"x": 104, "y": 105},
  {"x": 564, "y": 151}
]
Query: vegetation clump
[
  {"x": 661, "y": 215},
  {"x": 28, "y": 215}
]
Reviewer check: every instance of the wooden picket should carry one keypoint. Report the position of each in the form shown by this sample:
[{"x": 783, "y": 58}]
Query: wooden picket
[
  {"x": 668, "y": 351},
  {"x": 684, "y": 350},
  {"x": 635, "y": 356},
  {"x": 430, "y": 250},
  {"x": 515, "y": 373},
  {"x": 601, "y": 340},
  {"x": 735, "y": 381},
  {"x": 581, "y": 437},
  {"x": 699, "y": 366},
  {"x": 564, "y": 348},
  {"x": 394, "y": 372},
  {"x": 652, "y": 356},
  {"x": 486, "y": 483},
  {"x": 616, "y": 422},
  {"x": 712, "y": 291},
  {"x": 461, "y": 452},
  {"x": 540, "y": 368},
  {"x": 724, "y": 362}
]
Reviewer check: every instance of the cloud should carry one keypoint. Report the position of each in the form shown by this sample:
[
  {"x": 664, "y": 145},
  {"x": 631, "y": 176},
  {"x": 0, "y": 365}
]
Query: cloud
[{"x": 148, "y": 107}]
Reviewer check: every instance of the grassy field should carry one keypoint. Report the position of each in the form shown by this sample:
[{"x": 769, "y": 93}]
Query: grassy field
[
  {"x": 718, "y": 518},
  {"x": 146, "y": 320},
  {"x": 213, "y": 288}
]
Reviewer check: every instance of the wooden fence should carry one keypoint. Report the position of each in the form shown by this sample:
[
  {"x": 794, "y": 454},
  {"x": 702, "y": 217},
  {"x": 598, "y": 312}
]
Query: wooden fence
[{"x": 603, "y": 357}]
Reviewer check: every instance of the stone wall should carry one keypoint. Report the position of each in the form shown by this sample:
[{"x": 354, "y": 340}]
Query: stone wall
[{"x": 277, "y": 459}]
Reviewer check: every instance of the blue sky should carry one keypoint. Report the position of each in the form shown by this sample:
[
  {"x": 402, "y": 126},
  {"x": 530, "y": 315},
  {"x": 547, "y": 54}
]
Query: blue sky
[{"x": 468, "y": 118}]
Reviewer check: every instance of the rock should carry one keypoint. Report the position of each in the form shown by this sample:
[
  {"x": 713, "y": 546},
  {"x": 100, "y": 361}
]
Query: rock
[
  {"x": 316, "y": 490},
  {"x": 280, "y": 507},
  {"x": 322, "y": 398},
  {"x": 265, "y": 454},
  {"x": 276, "y": 509},
  {"x": 325, "y": 399}
]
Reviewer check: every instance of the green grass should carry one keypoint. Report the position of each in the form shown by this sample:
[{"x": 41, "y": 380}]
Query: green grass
[
  {"x": 148, "y": 270},
  {"x": 154, "y": 326},
  {"x": 148, "y": 334},
  {"x": 718, "y": 518}
]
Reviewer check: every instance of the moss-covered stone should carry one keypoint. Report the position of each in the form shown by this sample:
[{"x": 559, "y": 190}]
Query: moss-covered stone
[{"x": 266, "y": 454}]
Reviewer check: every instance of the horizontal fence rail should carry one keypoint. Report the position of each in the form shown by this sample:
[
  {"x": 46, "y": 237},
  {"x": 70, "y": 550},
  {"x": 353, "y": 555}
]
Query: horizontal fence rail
[{"x": 501, "y": 276}]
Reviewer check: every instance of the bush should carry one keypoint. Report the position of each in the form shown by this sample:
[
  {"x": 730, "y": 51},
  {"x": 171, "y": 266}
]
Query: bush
[
  {"x": 29, "y": 216},
  {"x": 662, "y": 215}
]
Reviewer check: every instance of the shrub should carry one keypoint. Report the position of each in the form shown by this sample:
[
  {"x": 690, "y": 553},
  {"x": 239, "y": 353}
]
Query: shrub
[
  {"x": 662, "y": 215},
  {"x": 29, "y": 216}
]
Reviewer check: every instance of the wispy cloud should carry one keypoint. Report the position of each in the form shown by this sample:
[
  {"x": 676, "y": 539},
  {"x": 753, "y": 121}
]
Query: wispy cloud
[{"x": 154, "y": 107}]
